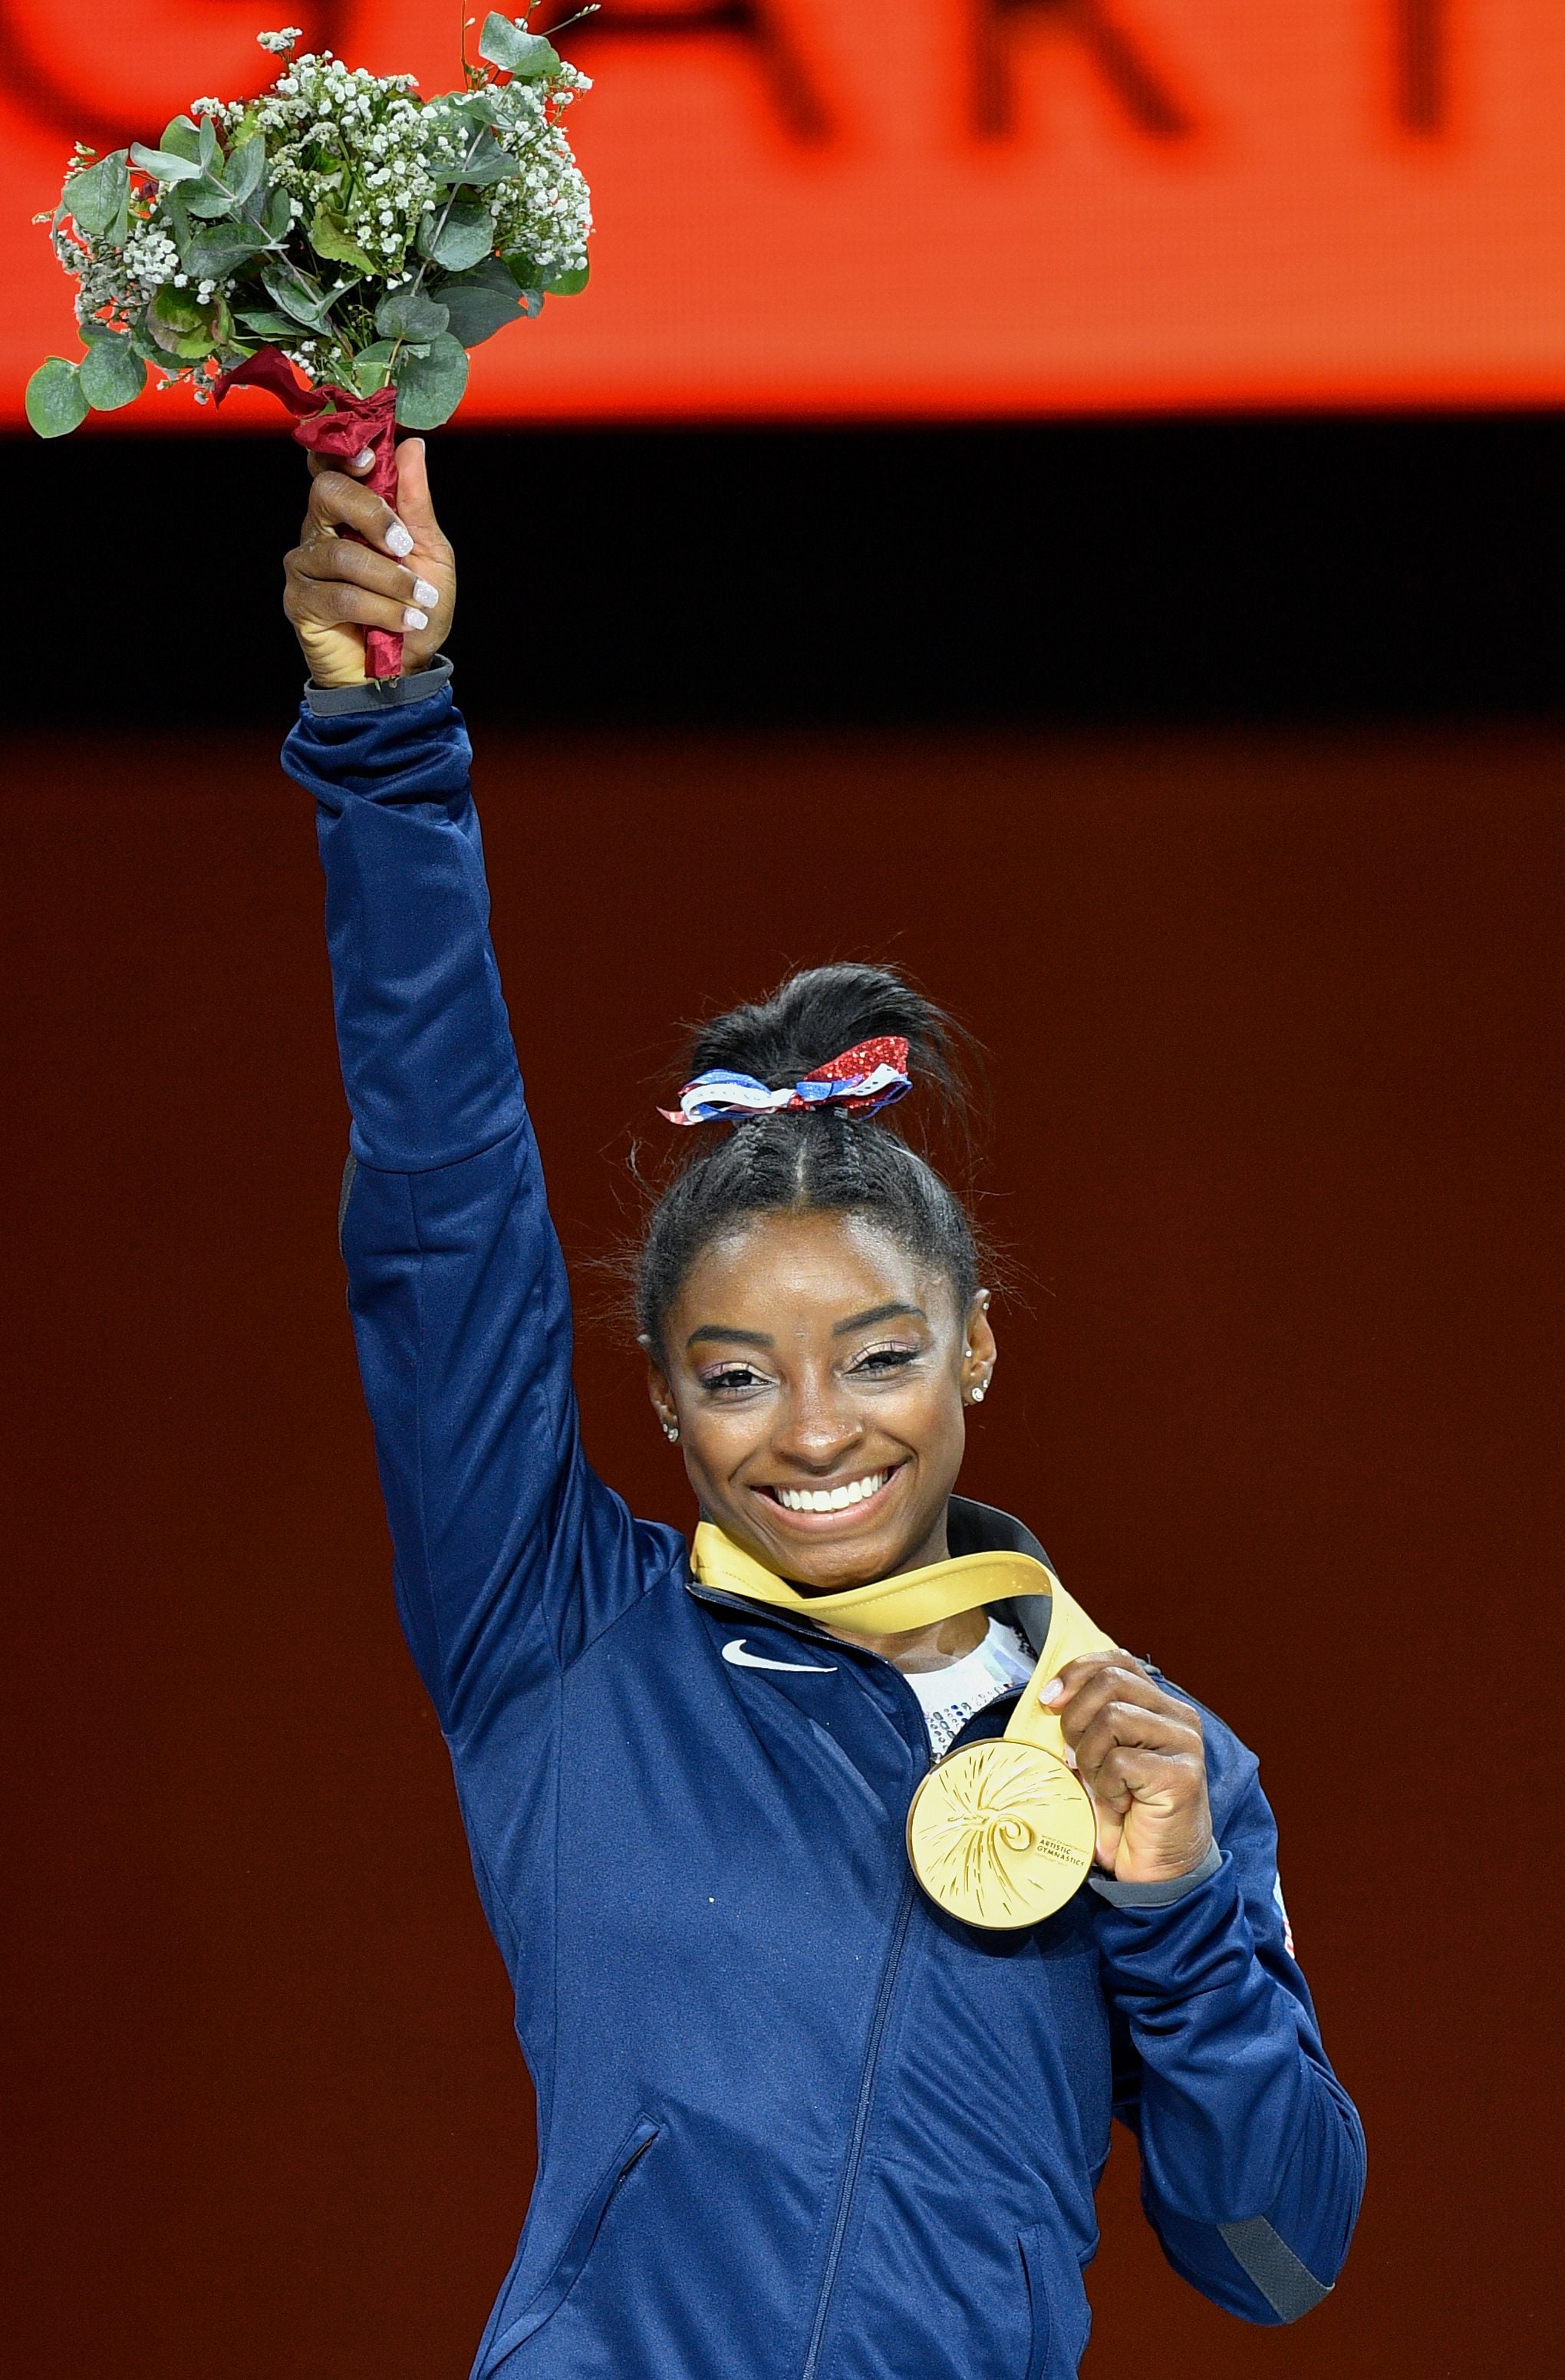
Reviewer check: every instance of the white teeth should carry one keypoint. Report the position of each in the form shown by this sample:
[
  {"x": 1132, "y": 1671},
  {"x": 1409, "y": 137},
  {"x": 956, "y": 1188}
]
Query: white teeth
[{"x": 831, "y": 1500}]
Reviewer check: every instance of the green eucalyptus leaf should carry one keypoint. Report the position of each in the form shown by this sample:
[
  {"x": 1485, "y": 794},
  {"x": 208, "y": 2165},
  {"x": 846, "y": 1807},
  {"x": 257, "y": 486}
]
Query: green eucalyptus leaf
[
  {"x": 143, "y": 343},
  {"x": 269, "y": 325},
  {"x": 208, "y": 198},
  {"x": 525, "y": 55},
  {"x": 111, "y": 374},
  {"x": 295, "y": 293},
  {"x": 181, "y": 326},
  {"x": 465, "y": 238},
  {"x": 213, "y": 255},
  {"x": 483, "y": 301},
  {"x": 178, "y": 310},
  {"x": 409, "y": 314},
  {"x": 278, "y": 221},
  {"x": 328, "y": 238},
  {"x": 429, "y": 386},
  {"x": 181, "y": 138},
  {"x": 55, "y": 404},
  {"x": 96, "y": 199},
  {"x": 164, "y": 164},
  {"x": 175, "y": 216},
  {"x": 485, "y": 162},
  {"x": 244, "y": 169},
  {"x": 568, "y": 284},
  {"x": 371, "y": 367},
  {"x": 479, "y": 108},
  {"x": 208, "y": 151}
]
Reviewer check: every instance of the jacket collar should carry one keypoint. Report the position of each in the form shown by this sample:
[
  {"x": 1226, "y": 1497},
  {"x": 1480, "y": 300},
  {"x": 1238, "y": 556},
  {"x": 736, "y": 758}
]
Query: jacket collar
[{"x": 971, "y": 1528}]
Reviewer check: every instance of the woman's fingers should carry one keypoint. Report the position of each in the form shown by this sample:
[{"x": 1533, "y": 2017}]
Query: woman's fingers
[
  {"x": 337, "y": 602},
  {"x": 337, "y": 502},
  {"x": 1140, "y": 1753},
  {"x": 358, "y": 464},
  {"x": 402, "y": 578},
  {"x": 341, "y": 557},
  {"x": 1119, "y": 1725},
  {"x": 413, "y": 499}
]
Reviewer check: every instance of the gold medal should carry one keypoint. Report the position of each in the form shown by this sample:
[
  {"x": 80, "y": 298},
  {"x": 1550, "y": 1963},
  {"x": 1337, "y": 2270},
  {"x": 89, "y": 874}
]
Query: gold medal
[
  {"x": 1002, "y": 1833},
  {"x": 999, "y": 1833}
]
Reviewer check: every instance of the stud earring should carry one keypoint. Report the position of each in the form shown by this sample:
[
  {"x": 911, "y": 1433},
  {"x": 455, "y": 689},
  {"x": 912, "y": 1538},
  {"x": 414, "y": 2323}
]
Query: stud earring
[
  {"x": 671, "y": 1431},
  {"x": 978, "y": 1394}
]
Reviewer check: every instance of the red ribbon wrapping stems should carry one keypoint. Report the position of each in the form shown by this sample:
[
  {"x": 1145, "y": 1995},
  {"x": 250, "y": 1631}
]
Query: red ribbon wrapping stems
[{"x": 333, "y": 420}]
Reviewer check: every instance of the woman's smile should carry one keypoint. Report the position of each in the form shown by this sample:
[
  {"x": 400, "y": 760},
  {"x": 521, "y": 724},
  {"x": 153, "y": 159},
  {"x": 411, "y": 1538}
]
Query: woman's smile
[{"x": 821, "y": 1507}]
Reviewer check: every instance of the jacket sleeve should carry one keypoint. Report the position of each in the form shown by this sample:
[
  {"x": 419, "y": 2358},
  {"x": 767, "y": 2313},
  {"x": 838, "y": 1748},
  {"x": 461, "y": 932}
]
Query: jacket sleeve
[
  {"x": 510, "y": 1554},
  {"x": 1252, "y": 2155}
]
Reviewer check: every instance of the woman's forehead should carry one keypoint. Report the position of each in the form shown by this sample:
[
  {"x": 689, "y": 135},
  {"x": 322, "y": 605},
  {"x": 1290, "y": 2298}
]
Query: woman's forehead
[{"x": 823, "y": 1266}]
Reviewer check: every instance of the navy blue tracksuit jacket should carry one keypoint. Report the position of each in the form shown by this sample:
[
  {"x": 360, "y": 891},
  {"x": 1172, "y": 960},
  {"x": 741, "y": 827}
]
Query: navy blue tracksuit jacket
[{"x": 793, "y": 2123}]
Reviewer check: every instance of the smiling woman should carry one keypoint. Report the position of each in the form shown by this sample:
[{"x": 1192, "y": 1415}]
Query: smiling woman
[
  {"x": 797, "y": 2115},
  {"x": 808, "y": 1289}
]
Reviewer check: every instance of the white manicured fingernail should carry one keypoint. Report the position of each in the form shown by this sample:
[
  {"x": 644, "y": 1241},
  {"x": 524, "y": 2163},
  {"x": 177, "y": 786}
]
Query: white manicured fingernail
[
  {"x": 413, "y": 618},
  {"x": 426, "y": 594},
  {"x": 363, "y": 459},
  {"x": 1051, "y": 1692},
  {"x": 400, "y": 539}
]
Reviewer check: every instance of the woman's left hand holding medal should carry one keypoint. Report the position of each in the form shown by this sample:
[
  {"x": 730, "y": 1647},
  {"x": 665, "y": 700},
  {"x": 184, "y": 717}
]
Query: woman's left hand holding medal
[{"x": 1140, "y": 1754}]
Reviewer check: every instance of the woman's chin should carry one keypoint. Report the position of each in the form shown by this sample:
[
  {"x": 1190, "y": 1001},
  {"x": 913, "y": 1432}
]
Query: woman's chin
[{"x": 829, "y": 1553}]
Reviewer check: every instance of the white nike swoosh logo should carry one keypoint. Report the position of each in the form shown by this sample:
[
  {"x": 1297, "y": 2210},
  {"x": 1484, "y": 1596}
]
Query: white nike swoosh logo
[{"x": 734, "y": 1651}]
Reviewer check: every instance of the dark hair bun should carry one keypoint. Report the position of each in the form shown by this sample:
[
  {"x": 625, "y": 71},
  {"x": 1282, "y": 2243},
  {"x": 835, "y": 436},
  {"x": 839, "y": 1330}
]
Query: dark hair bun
[
  {"x": 823, "y": 1011},
  {"x": 819, "y": 1158}
]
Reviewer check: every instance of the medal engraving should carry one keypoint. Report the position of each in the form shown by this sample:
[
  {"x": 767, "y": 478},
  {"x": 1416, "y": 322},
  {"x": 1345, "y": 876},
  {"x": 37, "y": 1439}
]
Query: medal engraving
[{"x": 1001, "y": 1833}]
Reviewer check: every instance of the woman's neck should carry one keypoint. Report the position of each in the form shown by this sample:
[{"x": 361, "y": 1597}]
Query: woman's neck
[{"x": 915, "y": 1649}]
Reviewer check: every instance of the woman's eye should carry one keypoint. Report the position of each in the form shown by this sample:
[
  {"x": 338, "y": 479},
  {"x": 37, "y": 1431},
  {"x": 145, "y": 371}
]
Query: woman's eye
[
  {"x": 732, "y": 1376},
  {"x": 875, "y": 1360}
]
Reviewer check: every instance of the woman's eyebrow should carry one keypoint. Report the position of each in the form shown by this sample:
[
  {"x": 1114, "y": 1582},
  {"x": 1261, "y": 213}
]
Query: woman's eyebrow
[
  {"x": 877, "y": 1314},
  {"x": 730, "y": 1338}
]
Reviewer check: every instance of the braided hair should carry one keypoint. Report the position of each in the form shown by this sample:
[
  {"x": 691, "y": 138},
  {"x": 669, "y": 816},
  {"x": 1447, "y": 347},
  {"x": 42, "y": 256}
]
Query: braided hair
[{"x": 821, "y": 1159}]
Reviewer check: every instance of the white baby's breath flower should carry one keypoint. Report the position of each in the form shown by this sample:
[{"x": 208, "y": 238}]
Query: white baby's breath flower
[{"x": 281, "y": 44}]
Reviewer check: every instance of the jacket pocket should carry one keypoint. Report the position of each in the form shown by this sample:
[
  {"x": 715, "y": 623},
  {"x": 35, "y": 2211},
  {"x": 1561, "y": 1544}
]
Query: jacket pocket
[
  {"x": 1060, "y": 2316},
  {"x": 557, "y": 2285}
]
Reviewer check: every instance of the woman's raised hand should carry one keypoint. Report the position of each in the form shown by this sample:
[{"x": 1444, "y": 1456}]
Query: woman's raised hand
[{"x": 404, "y": 580}]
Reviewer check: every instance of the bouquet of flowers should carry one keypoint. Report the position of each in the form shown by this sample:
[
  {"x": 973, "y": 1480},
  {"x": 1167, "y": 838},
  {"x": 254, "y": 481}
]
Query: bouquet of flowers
[{"x": 336, "y": 241}]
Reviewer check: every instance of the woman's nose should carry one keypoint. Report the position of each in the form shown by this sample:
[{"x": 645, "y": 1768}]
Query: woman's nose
[{"x": 816, "y": 1430}]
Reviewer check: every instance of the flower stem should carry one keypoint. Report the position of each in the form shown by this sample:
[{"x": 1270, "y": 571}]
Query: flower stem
[{"x": 426, "y": 262}]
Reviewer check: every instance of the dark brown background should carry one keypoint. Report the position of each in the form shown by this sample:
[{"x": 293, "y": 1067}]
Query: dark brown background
[{"x": 1273, "y": 1021}]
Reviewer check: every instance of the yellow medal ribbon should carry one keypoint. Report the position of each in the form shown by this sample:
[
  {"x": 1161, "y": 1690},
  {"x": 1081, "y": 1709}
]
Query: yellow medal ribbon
[{"x": 999, "y": 1833}]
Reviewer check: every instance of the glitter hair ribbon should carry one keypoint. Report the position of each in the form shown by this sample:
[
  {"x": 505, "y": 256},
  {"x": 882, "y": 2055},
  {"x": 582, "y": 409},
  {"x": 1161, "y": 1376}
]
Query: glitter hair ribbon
[
  {"x": 861, "y": 1080},
  {"x": 336, "y": 422}
]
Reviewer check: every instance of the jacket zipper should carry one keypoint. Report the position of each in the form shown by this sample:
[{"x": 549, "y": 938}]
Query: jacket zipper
[
  {"x": 860, "y": 2127},
  {"x": 810, "y": 1635}
]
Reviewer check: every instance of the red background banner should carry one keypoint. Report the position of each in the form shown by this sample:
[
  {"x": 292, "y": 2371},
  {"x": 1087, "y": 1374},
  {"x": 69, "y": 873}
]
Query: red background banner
[{"x": 947, "y": 207}]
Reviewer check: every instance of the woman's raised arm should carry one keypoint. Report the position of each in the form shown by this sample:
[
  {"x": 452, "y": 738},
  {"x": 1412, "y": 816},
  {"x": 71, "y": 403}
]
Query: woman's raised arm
[{"x": 510, "y": 1554}]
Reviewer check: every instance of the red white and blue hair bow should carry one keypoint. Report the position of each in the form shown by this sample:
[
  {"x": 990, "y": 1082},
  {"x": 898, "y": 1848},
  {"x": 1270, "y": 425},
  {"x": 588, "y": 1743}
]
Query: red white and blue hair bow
[{"x": 862, "y": 1080}]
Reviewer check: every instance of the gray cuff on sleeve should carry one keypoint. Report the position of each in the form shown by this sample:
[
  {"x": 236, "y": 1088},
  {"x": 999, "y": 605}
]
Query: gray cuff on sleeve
[
  {"x": 1158, "y": 1896},
  {"x": 1288, "y": 2287},
  {"x": 379, "y": 693}
]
